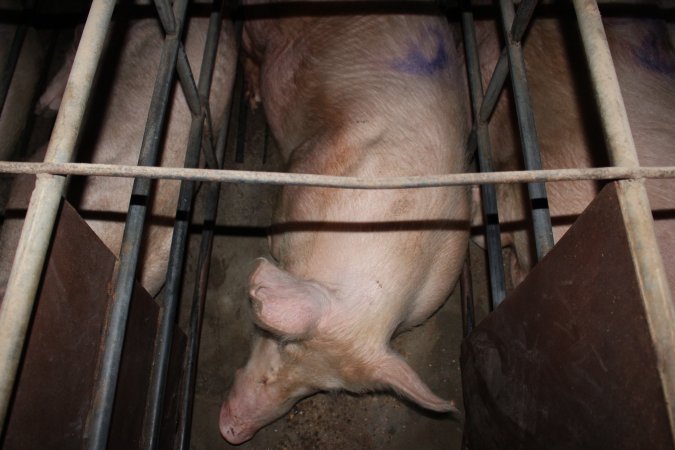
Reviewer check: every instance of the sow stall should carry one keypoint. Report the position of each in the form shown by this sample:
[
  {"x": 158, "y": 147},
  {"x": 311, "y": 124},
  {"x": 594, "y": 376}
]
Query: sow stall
[{"x": 518, "y": 391}]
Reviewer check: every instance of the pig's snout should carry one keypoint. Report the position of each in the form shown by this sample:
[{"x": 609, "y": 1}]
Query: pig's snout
[{"x": 233, "y": 430}]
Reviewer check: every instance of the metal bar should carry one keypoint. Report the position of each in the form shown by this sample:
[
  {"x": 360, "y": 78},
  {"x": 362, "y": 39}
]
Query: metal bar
[
  {"x": 466, "y": 288},
  {"x": 187, "y": 82},
  {"x": 199, "y": 295},
  {"x": 543, "y": 234},
  {"x": 242, "y": 119},
  {"x": 166, "y": 16},
  {"x": 496, "y": 84},
  {"x": 522, "y": 20},
  {"x": 658, "y": 301},
  {"x": 106, "y": 384},
  {"x": 19, "y": 299},
  {"x": 488, "y": 192},
  {"x": 607, "y": 92},
  {"x": 10, "y": 62},
  {"x": 302, "y": 179},
  {"x": 167, "y": 320}
]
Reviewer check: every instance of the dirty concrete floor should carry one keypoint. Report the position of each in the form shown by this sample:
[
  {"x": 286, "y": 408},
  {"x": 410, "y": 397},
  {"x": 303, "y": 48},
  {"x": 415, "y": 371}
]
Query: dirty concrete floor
[{"x": 329, "y": 420}]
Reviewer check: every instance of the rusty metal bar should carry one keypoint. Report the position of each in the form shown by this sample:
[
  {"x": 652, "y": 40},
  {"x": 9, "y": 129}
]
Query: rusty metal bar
[
  {"x": 488, "y": 192},
  {"x": 167, "y": 319},
  {"x": 19, "y": 299},
  {"x": 541, "y": 219},
  {"x": 301, "y": 179},
  {"x": 106, "y": 384}
]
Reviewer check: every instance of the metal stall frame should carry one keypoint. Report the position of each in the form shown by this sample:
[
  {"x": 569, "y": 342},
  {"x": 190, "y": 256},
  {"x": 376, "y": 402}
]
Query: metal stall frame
[
  {"x": 16, "y": 310},
  {"x": 25, "y": 275},
  {"x": 660, "y": 311}
]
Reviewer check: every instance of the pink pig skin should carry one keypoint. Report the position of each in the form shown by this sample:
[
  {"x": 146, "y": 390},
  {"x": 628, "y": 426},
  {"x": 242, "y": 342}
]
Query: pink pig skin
[
  {"x": 569, "y": 130},
  {"x": 368, "y": 96}
]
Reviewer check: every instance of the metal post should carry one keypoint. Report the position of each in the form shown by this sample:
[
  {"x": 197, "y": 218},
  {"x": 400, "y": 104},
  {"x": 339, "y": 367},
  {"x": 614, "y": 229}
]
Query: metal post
[
  {"x": 199, "y": 296},
  {"x": 162, "y": 353},
  {"x": 106, "y": 383},
  {"x": 488, "y": 192},
  {"x": 543, "y": 234},
  {"x": 22, "y": 286}
]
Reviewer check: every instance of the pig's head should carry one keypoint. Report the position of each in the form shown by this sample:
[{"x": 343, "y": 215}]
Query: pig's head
[{"x": 308, "y": 344}]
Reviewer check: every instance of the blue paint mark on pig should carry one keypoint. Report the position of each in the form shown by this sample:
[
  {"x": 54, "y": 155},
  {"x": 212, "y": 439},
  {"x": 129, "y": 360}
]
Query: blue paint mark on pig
[
  {"x": 654, "y": 54},
  {"x": 416, "y": 62}
]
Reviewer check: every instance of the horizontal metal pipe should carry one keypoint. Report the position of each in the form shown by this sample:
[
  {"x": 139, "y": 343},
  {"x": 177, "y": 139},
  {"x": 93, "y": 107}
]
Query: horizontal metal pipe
[
  {"x": 298, "y": 179},
  {"x": 19, "y": 299}
]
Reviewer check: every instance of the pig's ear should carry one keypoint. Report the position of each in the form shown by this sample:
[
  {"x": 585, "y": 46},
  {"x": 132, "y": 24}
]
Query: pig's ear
[
  {"x": 393, "y": 371},
  {"x": 283, "y": 304}
]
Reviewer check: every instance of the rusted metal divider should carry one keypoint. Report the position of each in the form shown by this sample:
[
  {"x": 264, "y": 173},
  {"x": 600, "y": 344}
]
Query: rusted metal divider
[
  {"x": 654, "y": 288},
  {"x": 19, "y": 297},
  {"x": 569, "y": 359}
]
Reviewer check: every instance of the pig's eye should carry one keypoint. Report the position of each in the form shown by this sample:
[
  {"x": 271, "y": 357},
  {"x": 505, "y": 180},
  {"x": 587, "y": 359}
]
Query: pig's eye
[{"x": 264, "y": 380}]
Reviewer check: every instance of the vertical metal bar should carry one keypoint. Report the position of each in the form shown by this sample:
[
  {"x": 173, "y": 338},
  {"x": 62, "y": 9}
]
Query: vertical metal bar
[
  {"x": 151, "y": 428},
  {"x": 242, "y": 121},
  {"x": 199, "y": 295},
  {"x": 658, "y": 301},
  {"x": 466, "y": 288},
  {"x": 607, "y": 92},
  {"x": 22, "y": 286},
  {"x": 543, "y": 234},
  {"x": 106, "y": 383},
  {"x": 488, "y": 192}
]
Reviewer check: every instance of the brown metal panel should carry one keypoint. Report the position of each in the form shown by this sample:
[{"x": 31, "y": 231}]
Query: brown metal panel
[
  {"x": 567, "y": 361},
  {"x": 55, "y": 387}
]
